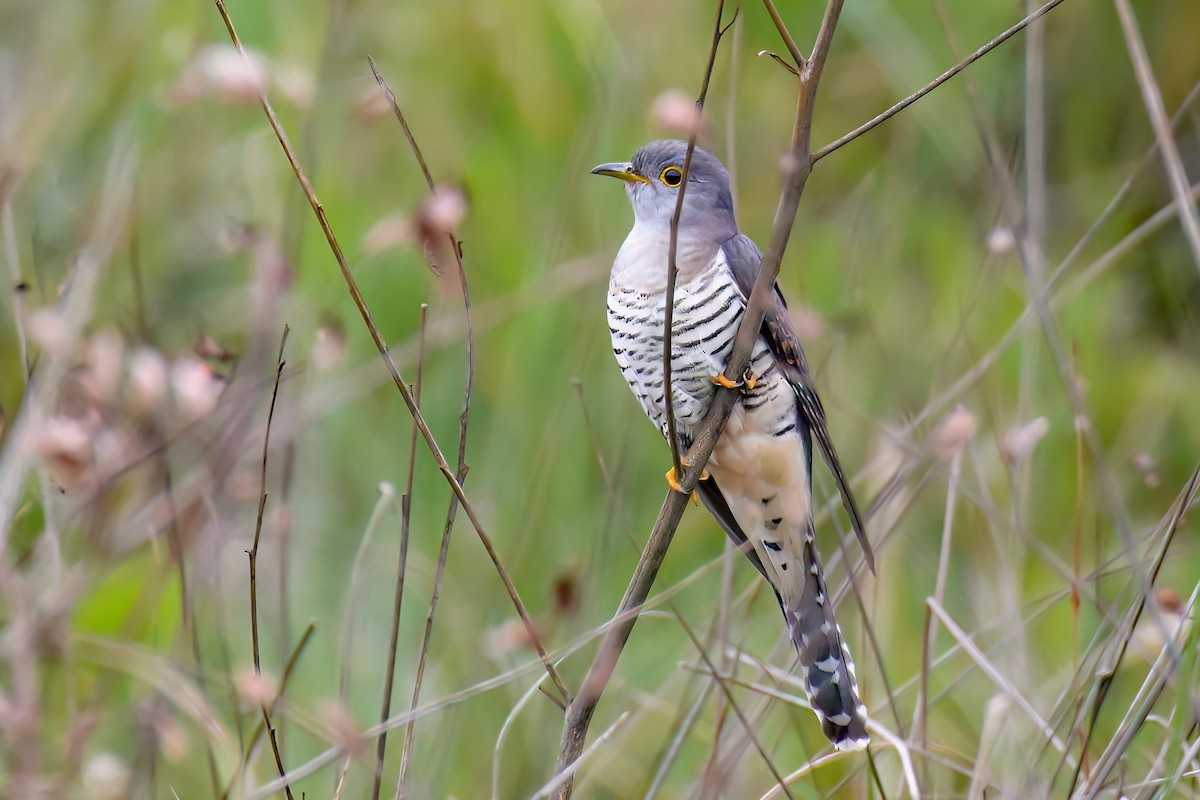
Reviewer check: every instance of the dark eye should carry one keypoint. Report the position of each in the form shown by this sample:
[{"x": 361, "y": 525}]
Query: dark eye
[{"x": 671, "y": 176}]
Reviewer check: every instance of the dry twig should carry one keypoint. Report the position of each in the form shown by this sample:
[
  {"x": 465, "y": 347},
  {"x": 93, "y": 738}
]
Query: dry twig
[
  {"x": 389, "y": 677},
  {"x": 253, "y": 554},
  {"x": 462, "y": 468},
  {"x": 369, "y": 321},
  {"x": 673, "y": 239},
  {"x": 1168, "y": 149},
  {"x": 935, "y": 83}
]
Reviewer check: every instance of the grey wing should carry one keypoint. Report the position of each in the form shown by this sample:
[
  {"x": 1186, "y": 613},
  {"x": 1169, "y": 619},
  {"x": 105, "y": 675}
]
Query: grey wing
[{"x": 744, "y": 257}]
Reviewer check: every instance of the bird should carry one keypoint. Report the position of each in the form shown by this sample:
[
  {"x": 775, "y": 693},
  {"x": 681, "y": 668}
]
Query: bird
[{"x": 758, "y": 481}]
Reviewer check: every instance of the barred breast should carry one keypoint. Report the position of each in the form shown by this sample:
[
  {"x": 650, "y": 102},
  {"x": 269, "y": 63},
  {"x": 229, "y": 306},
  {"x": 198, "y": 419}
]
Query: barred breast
[{"x": 708, "y": 309}]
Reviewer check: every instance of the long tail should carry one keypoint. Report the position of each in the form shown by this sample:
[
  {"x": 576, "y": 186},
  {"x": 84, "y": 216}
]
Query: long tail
[{"x": 828, "y": 668}]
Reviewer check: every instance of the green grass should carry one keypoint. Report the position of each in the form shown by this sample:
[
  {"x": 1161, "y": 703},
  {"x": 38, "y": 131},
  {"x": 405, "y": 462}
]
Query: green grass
[{"x": 185, "y": 213}]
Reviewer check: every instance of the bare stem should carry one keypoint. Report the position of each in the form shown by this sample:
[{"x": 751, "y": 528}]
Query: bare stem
[
  {"x": 462, "y": 468},
  {"x": 257, "y": 733},
  {"x": 253, "y": 554},
  {"x": 1152, "y": 97},
  {"x": 935, "y": 83},
  {"x": 369, "y": 321},
  {"x": 389, "y": 677},
  {"x": 673, "y": 244},
  {"x": 785, "y": 34}
]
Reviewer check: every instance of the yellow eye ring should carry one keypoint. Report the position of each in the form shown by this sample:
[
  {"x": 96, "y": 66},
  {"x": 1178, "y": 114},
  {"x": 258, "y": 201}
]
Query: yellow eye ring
[{"x": 671, "y": 176}]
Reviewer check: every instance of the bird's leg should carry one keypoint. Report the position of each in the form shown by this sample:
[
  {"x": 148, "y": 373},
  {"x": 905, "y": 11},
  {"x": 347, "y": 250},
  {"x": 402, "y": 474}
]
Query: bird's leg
[
  {"x": 673, "y": 480},
  {"x": 748, "y": 381}
]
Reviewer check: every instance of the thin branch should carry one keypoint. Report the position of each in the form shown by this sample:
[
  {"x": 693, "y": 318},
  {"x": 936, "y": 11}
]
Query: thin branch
[
  {"x": 798, "y": 166},
  {"x": 995, "y": 675},
  {"x": 253, "y": 554},
  {"x": 1152, "y": 96},
  {"x": 673, "y": 244},
  {"x": 562, "y": 780},
  {"x": 412, "y": 142},
  {"x": 788, "y": 41},
  {"x": 368, "y": 320},
  {"x": 1108, "y": 666},
  {"x": 462, "y": 468},
  {"x": 728, "y": 693},
  {"x": 389, "y": 677},
  {"x": 256, "y": 734},
  {"x": 1139, "y": 709},
  {"x": 423, "y": 655},
  {"x": 935, "y": 83}
]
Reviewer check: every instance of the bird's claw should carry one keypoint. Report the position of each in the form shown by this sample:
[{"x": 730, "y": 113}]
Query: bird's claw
[
  {"x": 673, "y": 482},
  {"x": 748, "y": 381},
  {"x": 720, "y": 380}
]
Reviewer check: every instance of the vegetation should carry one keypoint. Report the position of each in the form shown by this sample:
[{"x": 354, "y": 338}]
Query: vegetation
[{"x": 996, "y": 289}]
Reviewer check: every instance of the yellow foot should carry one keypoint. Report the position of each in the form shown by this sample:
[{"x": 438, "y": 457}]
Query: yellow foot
[
  {"x": 749, "y": 381},
  {"x": 720, "y": 380},
  {"x": 673, "y": 482}
]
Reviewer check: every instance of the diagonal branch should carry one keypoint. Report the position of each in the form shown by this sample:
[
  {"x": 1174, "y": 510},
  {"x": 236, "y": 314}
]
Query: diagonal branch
[
  {"x": 798, "y": 166},
  {"x": 369, "y": 321},
  {"x": 935, "y": 83},
  {"x": 1169, "y": 150},
  {"x": 673, "y": 244},
  {"x": 786, "y": 35},
  {"x": 463, "y": 419}
]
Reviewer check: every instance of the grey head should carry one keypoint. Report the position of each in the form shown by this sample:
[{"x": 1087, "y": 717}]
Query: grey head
[{"x": 652, "y": 181}]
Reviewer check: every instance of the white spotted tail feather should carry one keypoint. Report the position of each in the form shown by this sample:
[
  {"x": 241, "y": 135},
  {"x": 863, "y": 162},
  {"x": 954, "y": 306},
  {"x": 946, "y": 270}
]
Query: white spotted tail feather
[{"x": 828, "y": 669}]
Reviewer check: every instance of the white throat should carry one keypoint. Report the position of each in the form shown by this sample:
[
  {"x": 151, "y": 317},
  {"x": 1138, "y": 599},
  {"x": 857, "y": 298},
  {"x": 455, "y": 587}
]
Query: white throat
[{"x": 641, "y": 263}]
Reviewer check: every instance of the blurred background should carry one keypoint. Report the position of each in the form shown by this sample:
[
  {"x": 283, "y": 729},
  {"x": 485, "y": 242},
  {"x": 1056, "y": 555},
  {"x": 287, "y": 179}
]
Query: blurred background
[{"x": 1022, "y": 460}]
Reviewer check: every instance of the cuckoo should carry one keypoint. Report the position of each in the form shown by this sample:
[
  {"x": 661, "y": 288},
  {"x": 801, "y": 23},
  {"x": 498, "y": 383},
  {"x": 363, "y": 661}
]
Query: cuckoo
[{"x": 758, "y": 482}]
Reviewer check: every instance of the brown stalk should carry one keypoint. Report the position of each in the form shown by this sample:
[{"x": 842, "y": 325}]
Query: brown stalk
[
  {"x": 423, "y": 656},
  {"x": 737, "y": 711},
  {"x": 257, "y": 733},
  {"x": 797, "y": 169},
  {"x": 786, "y": 35},
  {"x": 389, "y": 677},
  {"x": 673, "y": 242},
  {"x": 368, "y": 320},
  {"x": 1107, "y": 669},
  {"x": 462, "y": 468},
  {"x": 716, "y": 633},
  {"x": 935, "y": 83},
  {"x": 253, "y": 554},
  {"x": 1168, "y": 149}
]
